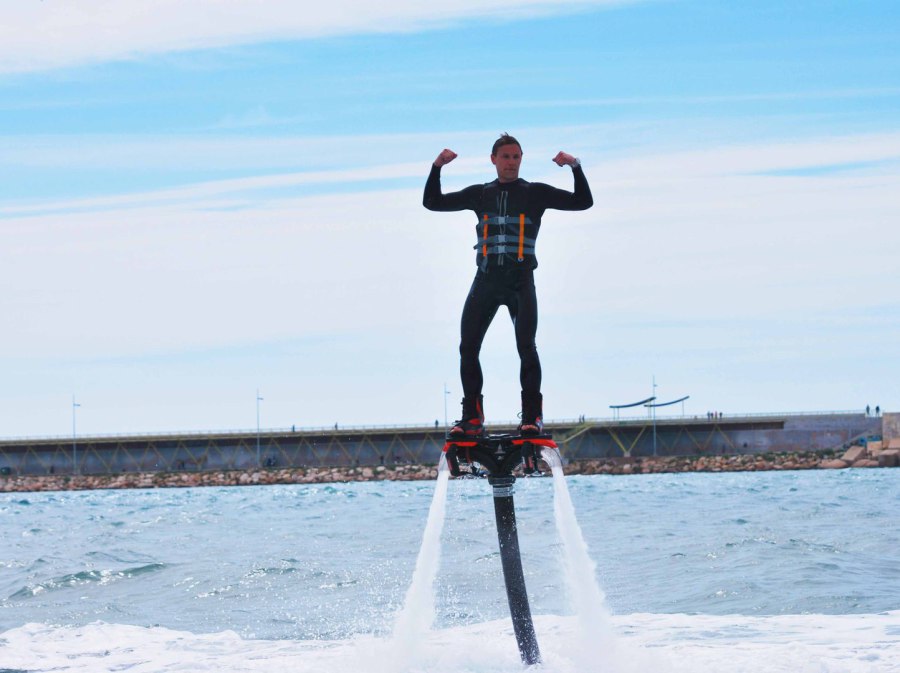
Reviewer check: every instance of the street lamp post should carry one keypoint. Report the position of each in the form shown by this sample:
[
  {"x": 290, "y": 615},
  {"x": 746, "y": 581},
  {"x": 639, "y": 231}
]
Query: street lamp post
[
  {"x": 75, "y": 405},
  {"x": 446, "y": 392},
  {"x": 258, "y": 458},
  {"x": 653, "y": 409}
]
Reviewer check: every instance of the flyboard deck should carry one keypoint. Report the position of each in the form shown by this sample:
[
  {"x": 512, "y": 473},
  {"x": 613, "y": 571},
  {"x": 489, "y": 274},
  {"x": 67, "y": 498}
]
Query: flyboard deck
[{"x": 498, "y": 454}]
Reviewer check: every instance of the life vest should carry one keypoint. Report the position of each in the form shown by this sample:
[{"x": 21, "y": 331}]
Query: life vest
[{"x": 501, "y": 234}]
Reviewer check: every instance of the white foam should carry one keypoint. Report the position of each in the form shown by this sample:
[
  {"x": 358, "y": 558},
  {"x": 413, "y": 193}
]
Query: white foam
[
  {"x": 691, "y": 643},
  {"x": 596, "y": 648}
]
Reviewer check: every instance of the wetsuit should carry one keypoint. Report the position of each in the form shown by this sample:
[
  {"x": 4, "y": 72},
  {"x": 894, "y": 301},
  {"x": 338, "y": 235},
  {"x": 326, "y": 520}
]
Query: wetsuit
[{"x": 509, "y": 219}]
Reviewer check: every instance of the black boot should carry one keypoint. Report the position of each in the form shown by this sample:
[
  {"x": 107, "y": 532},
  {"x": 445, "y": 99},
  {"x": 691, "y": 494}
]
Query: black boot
[
  {"x": 532, "y": 414},
  {"x": 472, "y": 422}
]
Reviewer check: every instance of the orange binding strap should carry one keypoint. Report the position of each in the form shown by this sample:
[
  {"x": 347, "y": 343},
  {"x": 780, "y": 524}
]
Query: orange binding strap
[
  {"x": 521, "y": 236},
  {"x": 484, "y": 237}
]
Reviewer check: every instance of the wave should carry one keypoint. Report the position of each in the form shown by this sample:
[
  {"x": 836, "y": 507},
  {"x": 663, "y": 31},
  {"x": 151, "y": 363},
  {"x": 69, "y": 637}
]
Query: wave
[
  {"x": 85, "y": 577},
  {"x": 656, "y": 643}
]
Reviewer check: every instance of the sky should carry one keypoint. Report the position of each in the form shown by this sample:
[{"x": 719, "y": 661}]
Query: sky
[{"x": 203, "y": 200}]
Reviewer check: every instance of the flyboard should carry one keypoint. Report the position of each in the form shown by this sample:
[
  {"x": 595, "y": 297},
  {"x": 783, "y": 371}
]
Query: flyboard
[{"x": 500, "y": 455}]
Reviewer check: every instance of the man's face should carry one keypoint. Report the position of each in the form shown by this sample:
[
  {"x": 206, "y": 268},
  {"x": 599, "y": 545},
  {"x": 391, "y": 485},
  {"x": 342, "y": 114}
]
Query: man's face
[{"x": 507, "y": 161}]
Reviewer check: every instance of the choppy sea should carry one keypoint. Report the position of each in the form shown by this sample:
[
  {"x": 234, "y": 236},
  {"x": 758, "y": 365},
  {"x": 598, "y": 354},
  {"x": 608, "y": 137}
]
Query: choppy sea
[{"x": 732, "y": 572}]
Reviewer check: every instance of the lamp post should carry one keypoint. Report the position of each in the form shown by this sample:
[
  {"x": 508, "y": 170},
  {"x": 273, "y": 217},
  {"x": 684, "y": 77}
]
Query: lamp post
[
  {"x": 75, "y": 405},
  {"x": 653, "y": 410},
  {"x": 652, "y": 407},
  {"x": 258, "y": 458},
  {"x": 446, "y": 392}
]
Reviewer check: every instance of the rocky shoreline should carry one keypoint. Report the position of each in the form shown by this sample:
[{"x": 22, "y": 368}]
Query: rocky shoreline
[{"x": 856, "y": 457}]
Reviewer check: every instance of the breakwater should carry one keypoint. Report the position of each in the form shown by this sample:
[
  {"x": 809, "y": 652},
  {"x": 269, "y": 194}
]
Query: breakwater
[
  {"x": 322, "y": 475},
  {"x": 293, "y": 448}
]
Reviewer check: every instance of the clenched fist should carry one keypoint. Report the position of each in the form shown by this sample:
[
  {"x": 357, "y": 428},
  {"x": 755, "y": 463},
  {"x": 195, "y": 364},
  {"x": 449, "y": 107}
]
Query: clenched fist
[{"x": 445, "y": 157}]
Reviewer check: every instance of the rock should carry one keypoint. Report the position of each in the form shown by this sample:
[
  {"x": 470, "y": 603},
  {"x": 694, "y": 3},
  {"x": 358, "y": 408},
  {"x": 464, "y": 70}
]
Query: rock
[
  {"x": 889, "y": 458},
  {"x": 854, "y": 453},
  {"x": 865, "y": 462},
  {"x": 836, "y": 464}
]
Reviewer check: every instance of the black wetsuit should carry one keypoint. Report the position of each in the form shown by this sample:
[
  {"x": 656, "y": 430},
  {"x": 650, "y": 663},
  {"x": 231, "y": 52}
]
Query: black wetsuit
[{"x": 504, "y": 278}]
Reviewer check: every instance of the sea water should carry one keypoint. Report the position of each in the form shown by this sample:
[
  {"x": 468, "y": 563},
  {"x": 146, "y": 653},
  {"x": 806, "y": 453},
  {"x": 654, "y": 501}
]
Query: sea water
[{"x": 762, "y": 572}]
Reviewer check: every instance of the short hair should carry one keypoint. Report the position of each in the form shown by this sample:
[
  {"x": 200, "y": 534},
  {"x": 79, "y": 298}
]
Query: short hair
[{"x": 504, "y": 139}]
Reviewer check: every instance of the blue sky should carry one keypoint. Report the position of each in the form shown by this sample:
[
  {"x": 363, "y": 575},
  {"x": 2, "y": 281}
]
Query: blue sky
[{"x": 201, "y": 201}]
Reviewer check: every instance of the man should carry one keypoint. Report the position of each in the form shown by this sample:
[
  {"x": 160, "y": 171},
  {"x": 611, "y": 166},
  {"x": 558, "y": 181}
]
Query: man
[{"x": 509, "y": 212}]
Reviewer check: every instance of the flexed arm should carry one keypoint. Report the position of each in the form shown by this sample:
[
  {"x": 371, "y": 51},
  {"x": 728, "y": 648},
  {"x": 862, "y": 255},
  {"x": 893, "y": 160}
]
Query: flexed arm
[
  {"x": 560, "y": 199},
  {"x": 434, "y": 199}
]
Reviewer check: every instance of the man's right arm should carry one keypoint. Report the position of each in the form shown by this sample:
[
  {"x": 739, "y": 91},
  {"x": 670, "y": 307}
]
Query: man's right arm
[{"x": 433, "y": 199}]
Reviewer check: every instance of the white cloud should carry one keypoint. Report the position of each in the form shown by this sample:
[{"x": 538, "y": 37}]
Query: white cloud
[
  {"x": 268, "y": 153},
  {"x": 699, "y": 266},
  {"x": 37, "y": 35},
  {"x": 690, "y": 99},
  {"x": 355, "y": 159},
  {"x": 196, "y": 194},
  {"x": 670, "y": 233}
]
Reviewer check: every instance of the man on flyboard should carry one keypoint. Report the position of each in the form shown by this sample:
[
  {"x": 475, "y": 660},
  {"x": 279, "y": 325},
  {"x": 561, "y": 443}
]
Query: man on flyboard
[{"x": 509, "y": 212}]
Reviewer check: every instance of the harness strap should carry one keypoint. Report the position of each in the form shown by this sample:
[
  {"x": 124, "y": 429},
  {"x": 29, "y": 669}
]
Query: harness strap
[
  {"x": 503, "y": 239},
  {"x": 522, "y": 236},
  {"x": 503, "y": 220},
  {"x": 510, "y": 250}
]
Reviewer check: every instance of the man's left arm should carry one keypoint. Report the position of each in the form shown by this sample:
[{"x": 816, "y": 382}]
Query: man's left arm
[{"x": 560, "y": 199}]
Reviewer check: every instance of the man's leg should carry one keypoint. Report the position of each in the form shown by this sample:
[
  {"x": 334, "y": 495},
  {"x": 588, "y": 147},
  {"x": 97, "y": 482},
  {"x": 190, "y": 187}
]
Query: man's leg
[
  {"x": 478, "y": 312},
  {"x": 524, "y": 313}
]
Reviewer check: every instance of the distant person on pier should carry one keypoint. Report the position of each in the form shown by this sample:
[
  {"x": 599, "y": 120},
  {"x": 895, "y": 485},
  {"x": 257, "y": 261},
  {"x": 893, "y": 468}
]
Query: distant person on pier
[{"x": 509, "y": 211}]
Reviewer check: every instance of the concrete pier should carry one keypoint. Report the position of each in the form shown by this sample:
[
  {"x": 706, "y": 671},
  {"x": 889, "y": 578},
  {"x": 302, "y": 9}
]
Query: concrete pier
[{"x": 590, "y": 439}]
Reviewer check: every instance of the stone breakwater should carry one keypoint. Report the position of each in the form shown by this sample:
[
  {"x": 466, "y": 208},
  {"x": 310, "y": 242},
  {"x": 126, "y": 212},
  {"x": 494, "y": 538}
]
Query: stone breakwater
[{"x": 325, "y": 475}]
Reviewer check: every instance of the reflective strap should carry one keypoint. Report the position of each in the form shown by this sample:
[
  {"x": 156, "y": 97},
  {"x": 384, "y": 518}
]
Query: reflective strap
[
  {"x": 501, "y": 239},
  {"x": 521, "y": 235},
  {"x": 484, "y": 247},
  {"x": 506, "y": 219},
  {"x": 508, "y": 250}
]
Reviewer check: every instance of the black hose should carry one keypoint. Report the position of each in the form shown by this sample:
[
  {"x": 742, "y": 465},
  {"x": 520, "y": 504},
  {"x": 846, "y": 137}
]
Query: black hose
[{"x": 505, "y": 511}]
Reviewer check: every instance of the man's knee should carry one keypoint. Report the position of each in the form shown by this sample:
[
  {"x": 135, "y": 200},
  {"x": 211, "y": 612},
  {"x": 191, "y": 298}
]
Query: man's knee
[
  {"x": 527, "y": 350},
  {"x": 469, "y": 350}
]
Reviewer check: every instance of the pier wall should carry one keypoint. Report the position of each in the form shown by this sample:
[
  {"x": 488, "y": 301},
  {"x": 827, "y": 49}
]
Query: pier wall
[
  {"x": 722, "y": 436},
  {"x": 592, "y": 439}
]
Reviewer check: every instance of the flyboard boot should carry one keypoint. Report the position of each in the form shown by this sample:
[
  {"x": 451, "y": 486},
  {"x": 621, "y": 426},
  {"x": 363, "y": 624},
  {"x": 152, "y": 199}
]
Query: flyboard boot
[
  {"x": 532, "y": 414},
  {"x": 468, "y": 444},
  {"x": 471, "y": 425}
]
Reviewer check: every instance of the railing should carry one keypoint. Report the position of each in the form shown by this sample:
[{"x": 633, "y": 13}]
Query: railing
[{"x": 416, "y": 427}]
